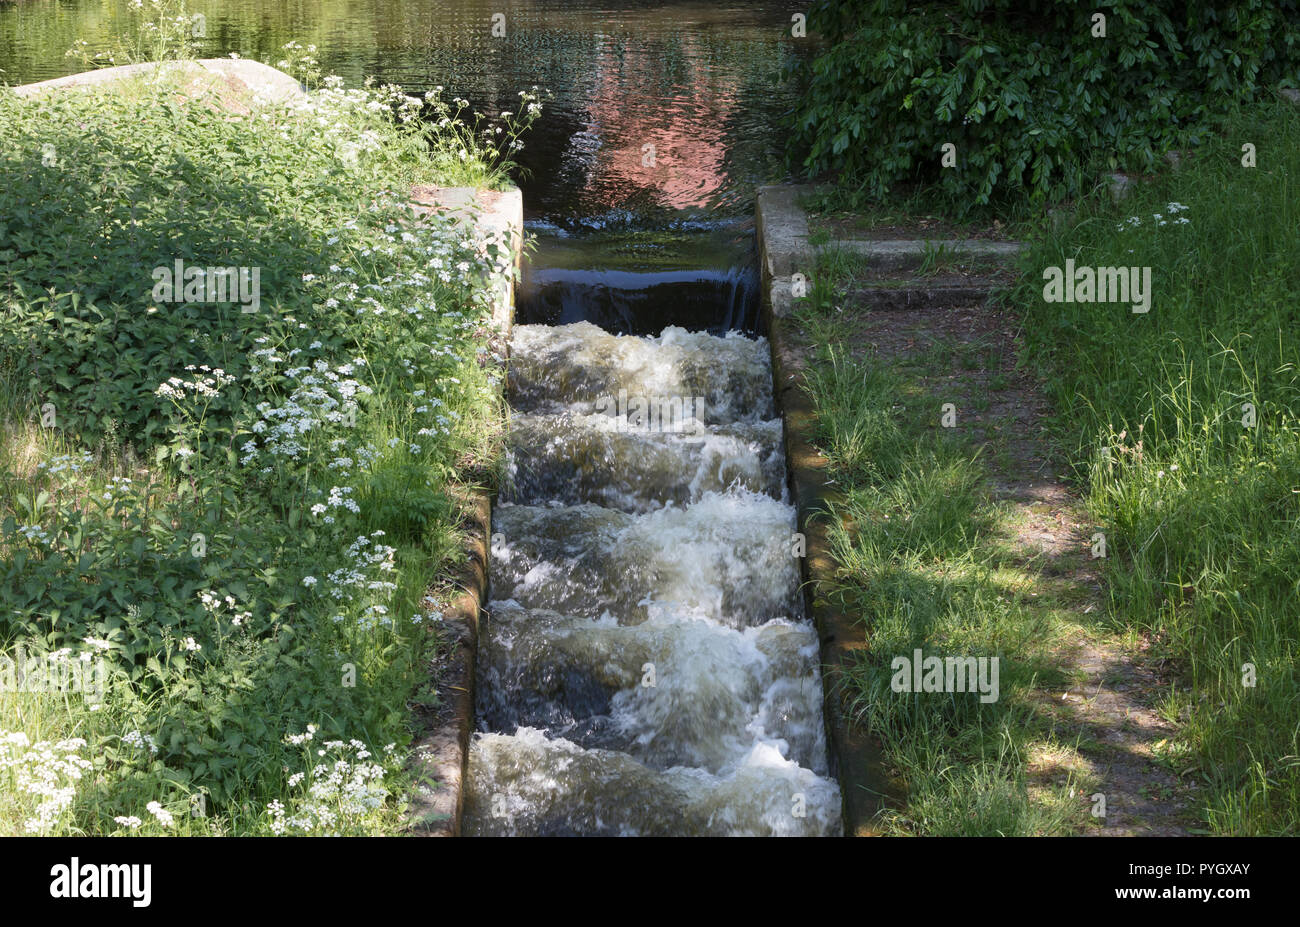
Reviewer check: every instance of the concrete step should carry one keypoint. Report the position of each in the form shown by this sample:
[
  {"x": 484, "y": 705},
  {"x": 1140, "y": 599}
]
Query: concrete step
[
  {"x": 897, "y": 255},
  {"x": 787, "y": 249},
  {"x": 942, "y": 292},
  {"x": 912, "y": 294}
]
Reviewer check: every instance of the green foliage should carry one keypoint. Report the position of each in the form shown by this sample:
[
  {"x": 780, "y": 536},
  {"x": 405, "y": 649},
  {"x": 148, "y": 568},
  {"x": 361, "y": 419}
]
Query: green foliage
[
  {"x": 155, "y": 30},
  {"x": 473, "y": 148},
  {"x": 244, "y": 515},
  {"x": 1035, "y": 105}
]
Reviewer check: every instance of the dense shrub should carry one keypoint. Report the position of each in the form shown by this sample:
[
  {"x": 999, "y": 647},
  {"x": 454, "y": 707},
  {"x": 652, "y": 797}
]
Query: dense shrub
[{"x": 1035, "y": 104}]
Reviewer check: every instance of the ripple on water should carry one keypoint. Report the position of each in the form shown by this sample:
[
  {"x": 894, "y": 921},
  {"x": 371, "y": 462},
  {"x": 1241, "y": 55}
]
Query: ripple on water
[
  {"x": 575, "y": 367},
  {"x": 528, "y": 784},
  {"x": 729, "y": 557},
  {"x": 676, "y": 690},
  {"x": 574, "y": 458}
]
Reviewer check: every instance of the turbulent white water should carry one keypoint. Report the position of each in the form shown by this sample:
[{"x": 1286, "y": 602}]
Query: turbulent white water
[{"x": 645, "y": 667}]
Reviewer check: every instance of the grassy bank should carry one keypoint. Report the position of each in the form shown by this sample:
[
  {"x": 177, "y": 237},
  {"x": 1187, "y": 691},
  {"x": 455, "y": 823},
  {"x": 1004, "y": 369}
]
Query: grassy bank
[
  {"x": 926, "y": 556},
  {"x": 229, "y": 521},
  {"x": 1183, "y": 422},
  {"x": 1176, "y": 427}
]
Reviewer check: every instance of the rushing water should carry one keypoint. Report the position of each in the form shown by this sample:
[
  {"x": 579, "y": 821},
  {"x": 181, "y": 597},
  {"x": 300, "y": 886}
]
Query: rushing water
[{"x": 644, "y": 666}]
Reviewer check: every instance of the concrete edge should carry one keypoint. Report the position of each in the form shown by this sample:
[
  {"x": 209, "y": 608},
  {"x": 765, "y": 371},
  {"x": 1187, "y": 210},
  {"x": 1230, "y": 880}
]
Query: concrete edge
[
  {"x": 781, "y": 229},
  {"x": 441, "y": 755},
  {"x": 786, "y": 247},
  {"x": 496, "y": 215},
  {"x": 903, "y": 254},
  {"x": 856, "y": 760},
  {"x": 441, "y": 751}
]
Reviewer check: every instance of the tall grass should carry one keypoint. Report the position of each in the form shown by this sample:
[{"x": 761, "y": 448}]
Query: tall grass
[
  {"x": 914, "y": 536},
  {"x": 1183, "y": 423}
]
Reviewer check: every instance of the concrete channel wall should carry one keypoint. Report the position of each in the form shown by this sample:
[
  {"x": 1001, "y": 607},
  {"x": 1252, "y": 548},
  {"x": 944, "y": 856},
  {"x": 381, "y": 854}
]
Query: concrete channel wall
[
  {"x": 442, "y": 750},
  {"x": 782, "y": 230}
]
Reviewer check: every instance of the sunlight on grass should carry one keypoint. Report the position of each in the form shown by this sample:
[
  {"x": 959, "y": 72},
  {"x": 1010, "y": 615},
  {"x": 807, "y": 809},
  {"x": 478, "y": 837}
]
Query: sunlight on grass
[
  {"x": 1185, "y": 425},
  {"x": 917, "y": 544}
]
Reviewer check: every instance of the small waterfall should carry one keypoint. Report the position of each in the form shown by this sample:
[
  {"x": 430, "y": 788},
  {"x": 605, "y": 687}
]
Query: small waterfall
[
  {"x": 644, "y": 302},
  {"x": 628, "y": 280},
  {"x": 645, "y": 667}
]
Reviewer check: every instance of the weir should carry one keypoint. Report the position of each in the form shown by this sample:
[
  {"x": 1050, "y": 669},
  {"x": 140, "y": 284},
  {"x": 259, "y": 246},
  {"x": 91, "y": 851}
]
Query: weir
[
  {"x": 697, "y": 275},
  {"x": 645, "y": 666}
]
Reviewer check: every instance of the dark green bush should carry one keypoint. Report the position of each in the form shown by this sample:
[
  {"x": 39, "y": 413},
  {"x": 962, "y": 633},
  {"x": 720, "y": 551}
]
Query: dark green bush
[{"x": 1034, "y": 103}]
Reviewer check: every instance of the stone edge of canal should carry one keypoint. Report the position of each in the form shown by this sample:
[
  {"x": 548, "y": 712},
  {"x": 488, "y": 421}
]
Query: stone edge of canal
[
  {"x": 855, "y": 759},
  {"x": 442, "y": 747}
]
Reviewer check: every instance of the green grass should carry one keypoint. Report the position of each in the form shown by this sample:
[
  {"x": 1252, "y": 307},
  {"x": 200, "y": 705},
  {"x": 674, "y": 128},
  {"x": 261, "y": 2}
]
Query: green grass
[
  {"x": 1199, "y": 502},
  {"x": 1200, "y": 508},
  {"x": 921, "y": 557},
  {"x": 271, "y": 549}
]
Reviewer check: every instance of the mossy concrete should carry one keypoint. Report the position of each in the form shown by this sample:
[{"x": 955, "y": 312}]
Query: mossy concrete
[
  {"x": 907, "y": 255},
  {"x": 441, "y": 755}
]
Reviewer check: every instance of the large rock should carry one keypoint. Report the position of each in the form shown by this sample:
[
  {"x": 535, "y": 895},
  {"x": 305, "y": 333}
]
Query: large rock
[{"x": 235, "y": 79}]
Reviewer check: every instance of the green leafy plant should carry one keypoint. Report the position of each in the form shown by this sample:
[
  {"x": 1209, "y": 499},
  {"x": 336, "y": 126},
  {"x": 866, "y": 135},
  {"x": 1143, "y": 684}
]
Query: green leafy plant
[
  {"x": 244, "y": 516},
  {"x": 156, "y": 30},
  {"x": 1035, "y": 104}
]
